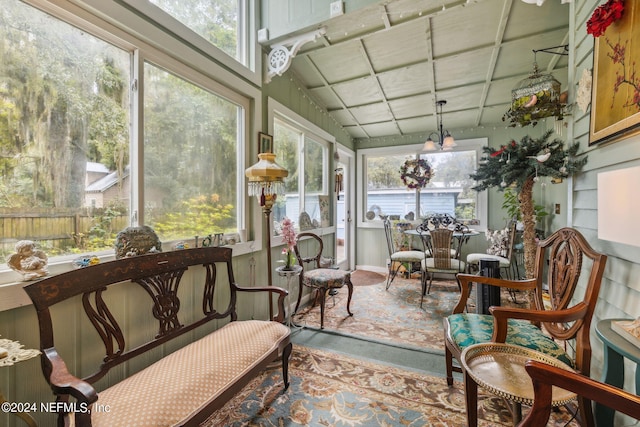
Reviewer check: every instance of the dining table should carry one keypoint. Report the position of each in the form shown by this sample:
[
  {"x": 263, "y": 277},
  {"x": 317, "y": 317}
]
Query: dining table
[{"x": 460, "y": 237}]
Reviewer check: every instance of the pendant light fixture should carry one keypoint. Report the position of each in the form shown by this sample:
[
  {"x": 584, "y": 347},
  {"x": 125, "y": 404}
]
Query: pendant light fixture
[{"x": 443, "y": 140}]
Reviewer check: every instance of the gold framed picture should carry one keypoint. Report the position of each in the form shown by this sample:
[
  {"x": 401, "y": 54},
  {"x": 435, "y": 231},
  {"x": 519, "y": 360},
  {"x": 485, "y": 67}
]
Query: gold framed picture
[
  {"x": 265, "y": 143},
  {"x": 615, "y": 98}
]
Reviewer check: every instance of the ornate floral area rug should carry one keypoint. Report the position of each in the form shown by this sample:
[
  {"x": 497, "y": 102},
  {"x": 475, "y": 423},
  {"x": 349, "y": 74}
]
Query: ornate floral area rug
[
  {"x": 330, "y": 389},
  {"x": 390, "y": 316}
]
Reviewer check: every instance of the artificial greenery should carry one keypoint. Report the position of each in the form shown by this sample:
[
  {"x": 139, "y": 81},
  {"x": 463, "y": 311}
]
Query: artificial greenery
[{"x": 519, "y": 165}]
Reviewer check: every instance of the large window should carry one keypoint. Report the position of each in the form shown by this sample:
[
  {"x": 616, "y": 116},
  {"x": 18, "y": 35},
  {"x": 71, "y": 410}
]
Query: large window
[
  {"x": 448, "y": 191},
  {"x": 307, "y": 187},
  {"x": 64, "y": 134},
  {"x": 74, "y": 170},
  {"x": 220, "y": 22},
  {"x": 190, "y": 151}
]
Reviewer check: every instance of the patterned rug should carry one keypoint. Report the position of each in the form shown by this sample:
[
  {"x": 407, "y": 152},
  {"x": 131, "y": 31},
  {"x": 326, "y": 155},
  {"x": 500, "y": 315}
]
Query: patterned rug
[
  {"x": 329, "y": 389},
  {"x": 390, "y": 316}
]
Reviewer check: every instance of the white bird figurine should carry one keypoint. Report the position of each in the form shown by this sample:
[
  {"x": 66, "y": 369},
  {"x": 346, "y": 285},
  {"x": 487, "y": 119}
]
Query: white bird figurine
[{"x": 541, "y": 158}]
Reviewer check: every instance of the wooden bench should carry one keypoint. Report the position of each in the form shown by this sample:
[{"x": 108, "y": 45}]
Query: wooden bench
[{"x": 181, "y": 388}]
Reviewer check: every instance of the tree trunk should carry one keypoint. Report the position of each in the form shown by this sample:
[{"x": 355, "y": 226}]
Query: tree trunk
[{"x": 527, "y": 211}]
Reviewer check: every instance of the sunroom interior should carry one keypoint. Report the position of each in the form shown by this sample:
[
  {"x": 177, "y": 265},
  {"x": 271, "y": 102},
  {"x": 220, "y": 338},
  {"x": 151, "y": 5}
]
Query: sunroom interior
[{"x": 122, "y": 113}]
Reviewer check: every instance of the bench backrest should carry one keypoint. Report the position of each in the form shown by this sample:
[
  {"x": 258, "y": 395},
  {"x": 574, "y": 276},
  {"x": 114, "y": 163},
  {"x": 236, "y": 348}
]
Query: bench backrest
[{"x": 160, "y": 275}]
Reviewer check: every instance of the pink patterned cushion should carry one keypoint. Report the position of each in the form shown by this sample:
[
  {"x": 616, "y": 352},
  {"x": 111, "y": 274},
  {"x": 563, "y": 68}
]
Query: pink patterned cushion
[
  {"x": 180, "y": 384},
  {"x": 326, "y": 278}
]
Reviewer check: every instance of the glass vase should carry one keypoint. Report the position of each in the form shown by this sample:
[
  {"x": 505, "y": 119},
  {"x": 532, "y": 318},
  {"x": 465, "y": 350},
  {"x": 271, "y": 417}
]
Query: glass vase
[{"x": 289, "y": 260}]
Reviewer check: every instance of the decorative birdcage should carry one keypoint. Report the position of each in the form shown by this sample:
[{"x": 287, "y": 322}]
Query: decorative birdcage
[{"x": 534, "y": 98}]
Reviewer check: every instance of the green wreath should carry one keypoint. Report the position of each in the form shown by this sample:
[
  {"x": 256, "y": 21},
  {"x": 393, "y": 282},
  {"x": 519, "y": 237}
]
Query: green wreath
[{"x": 416, "y": 173}]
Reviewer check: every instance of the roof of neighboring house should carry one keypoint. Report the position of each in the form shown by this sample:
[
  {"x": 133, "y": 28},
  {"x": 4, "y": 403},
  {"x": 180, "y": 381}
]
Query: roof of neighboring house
[
  {"x": 97, "y": 167},
  {"x": 106, "y": 182}
]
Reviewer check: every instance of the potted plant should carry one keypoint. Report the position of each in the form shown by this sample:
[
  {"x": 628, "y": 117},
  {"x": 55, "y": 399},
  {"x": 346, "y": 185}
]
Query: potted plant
[{"x": 519, "y": 165}]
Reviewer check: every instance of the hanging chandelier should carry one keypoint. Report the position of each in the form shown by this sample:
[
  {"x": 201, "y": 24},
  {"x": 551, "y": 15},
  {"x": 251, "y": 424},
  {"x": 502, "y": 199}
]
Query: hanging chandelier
[
  {"x": 536, "y": 97},
  {"x": 443, "y": 140}
]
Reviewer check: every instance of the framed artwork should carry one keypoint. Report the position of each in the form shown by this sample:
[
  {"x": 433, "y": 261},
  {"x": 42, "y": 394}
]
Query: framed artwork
[
  {"x": 615, "y": 105},
  {"x": 265, "y": 143}
]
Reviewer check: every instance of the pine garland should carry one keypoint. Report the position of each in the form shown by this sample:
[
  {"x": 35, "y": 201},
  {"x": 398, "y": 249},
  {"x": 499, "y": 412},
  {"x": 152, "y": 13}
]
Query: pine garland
[
  {"x": 520, "y": 165},
  {"x": 514, "y": 163}
]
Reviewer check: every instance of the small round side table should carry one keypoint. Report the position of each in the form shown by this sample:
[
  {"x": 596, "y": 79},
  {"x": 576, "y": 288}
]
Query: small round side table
[
  {"x": 499, "y": 369},
  {"x": 12, "y": 352},
  {"x": 289, "y": 274}
]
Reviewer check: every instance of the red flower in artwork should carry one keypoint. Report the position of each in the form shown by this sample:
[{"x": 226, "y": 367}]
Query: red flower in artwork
[{"x": 604, "y": 16}]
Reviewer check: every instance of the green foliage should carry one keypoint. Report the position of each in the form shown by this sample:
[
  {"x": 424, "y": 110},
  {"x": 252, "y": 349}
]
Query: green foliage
[
  {"x": 101, "y": 235},
  {"x": 512, "y": 206},
  {"x": 383, "y": 172},
  {"x": 514, "y": 163},
  {"x": 198, "y": 216}
]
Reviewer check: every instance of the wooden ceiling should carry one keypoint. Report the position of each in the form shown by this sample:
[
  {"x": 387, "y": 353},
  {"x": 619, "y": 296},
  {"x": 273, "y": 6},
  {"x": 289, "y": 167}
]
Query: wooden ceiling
[{"x": 380, "y": 69}]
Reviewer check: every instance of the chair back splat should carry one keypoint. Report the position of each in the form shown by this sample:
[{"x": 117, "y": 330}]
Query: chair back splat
[{"x": 564, "y": 315}]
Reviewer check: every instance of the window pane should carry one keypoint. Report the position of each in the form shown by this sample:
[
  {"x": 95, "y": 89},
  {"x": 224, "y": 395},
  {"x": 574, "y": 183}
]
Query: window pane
[
  {"x": 286, "y": 141},
  {"x": 190, "y": 167},
  {"x": 450, "y": 188},
  {"x": 214, "y": 20},
  {"x": 386, "y": 194},
  {"x": 314, "y": 186},
  {"x": 64, "y": 120}
]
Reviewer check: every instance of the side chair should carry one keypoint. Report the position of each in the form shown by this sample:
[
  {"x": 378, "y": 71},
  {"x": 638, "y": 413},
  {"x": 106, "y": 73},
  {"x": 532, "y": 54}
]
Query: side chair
[
  {"x": 398, "y": 258},
  {"x": 545, "y": 376},
  {"x": 318, "y": 278},
  {"x": 567, "y": 317},
  {"x": 441, "y": 259},
  {"x": 505, "y": 259}
]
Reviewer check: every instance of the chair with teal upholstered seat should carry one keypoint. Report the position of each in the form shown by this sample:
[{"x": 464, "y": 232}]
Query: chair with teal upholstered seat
[{"x": 566, "y": 316}]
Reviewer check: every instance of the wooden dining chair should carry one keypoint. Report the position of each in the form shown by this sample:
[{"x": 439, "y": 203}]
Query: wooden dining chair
[
  {"x": 566, "y": 318},
  {"x": 544, "y": 376}
]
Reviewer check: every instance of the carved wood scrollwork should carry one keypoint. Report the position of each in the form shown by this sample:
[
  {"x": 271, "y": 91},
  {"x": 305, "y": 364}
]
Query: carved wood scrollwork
[
  {"x": 104, "y": 323},
  {"x": 209, "y": 290},
  {"x": 564, "y": 271},
  {"x": 163, "y": 289}
]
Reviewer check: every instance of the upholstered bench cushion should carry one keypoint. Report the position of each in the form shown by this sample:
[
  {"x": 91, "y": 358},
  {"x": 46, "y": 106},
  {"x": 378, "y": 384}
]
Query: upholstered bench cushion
[
  {"x": 467, "y": 329},
  {"x": 326, "y": 277},
  {"x": 475, "y": 259},
  {"x": 180, "y": 384},
  {"x": 408, "y": 256}
]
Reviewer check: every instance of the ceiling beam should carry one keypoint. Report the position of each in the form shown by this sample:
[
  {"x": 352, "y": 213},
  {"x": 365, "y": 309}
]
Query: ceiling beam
[{"x": 498, "y": 42}]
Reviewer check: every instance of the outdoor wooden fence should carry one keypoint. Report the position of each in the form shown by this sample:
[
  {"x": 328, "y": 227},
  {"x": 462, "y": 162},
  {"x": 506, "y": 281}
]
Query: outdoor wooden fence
[{"x": 51, "y": 228}]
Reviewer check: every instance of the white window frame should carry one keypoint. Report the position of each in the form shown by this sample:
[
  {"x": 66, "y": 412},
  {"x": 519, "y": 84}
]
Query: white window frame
[
  {"x": 474, "y": 144},
  {"x": 288, "y": 117},
  {"x": 201, "y": 70}
]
